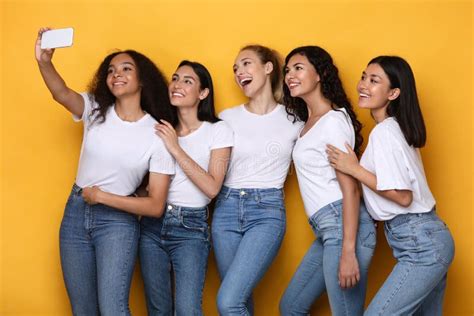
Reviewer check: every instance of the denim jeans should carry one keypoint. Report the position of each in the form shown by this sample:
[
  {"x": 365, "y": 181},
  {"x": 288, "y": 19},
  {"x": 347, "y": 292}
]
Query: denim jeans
[
  {"x": 318, "y": 272},
  {"x": 247, "y": 230},
  {"x": 178, "y": 242},
  {"x": 424, "y": 249},
  {"x": 98, "y": 246}
]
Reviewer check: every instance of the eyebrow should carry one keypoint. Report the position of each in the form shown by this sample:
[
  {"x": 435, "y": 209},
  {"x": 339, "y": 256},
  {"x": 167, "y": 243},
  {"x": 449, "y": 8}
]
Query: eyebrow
[
  {"x": 371, "y": 75},
  {"x": 185, "y": 76},
  {"x": 124, "y": 63}
]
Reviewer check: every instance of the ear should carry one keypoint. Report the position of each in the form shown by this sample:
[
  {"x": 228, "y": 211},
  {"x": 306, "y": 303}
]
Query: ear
[
  {"x": 394, "y": 93},
  {"x": 203, "y": 94},
  {"x": 268, "y": 67}
]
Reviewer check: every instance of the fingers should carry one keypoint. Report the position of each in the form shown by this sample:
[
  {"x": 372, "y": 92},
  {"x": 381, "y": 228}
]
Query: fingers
[
  {"x": 349, "y": 148},
  {"x": 166, "y": 123}
]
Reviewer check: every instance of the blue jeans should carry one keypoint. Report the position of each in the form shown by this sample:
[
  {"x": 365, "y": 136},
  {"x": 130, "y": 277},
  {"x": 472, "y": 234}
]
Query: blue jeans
[
  {"x": 98, "y": 247},
  {"x": 318, "y": 272},
  {"x": 247, "y": 230},
  {"x": 424, "y": 249},
  {"x": 178, "y": 242}
]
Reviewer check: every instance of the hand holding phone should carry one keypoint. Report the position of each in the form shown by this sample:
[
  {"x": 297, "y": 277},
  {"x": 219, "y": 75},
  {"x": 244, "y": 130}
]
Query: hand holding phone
[{"x": 57, "y": 38}]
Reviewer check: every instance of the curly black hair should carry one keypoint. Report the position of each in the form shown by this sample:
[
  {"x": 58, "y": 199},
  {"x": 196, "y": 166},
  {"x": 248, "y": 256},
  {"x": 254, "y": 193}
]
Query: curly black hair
[
  {"x": 331, "y": 88},
  {"x": 154, "y": 88}
]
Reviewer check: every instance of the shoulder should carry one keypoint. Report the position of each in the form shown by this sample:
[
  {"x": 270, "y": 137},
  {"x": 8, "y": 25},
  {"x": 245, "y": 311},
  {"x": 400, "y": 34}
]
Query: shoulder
[
  {"x": 231, "y": 112},
  {"x": 337, "y": 119}
]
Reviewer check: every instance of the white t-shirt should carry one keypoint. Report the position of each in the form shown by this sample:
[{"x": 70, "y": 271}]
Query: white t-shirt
[
  {"x": 317, "y": 179},
  {"x": 116, "y": 154},
  {"x": 198, "y": 145},
  {"x": 397, "y": 166},
  {"x": 262, "y": 147}
]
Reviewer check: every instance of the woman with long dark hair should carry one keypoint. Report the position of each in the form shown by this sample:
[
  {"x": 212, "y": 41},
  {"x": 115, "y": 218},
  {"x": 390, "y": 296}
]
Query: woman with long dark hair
[
  {"x": 396, "y": 191},
  {"x": 339, "y": 258},
  {"x": 180, "y": 241},
  {"x": 249, "y": 219},
  {"x": 100, "y": 229}
]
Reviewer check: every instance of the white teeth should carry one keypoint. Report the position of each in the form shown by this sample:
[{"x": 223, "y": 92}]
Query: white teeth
[
  {"x": 177, "y": 94},
  {"x": 291, "y": 85},
  {"x": 245, "y": 81},
  {"x": 118, "y": 83},
  {"x": 363, "y": 95}
]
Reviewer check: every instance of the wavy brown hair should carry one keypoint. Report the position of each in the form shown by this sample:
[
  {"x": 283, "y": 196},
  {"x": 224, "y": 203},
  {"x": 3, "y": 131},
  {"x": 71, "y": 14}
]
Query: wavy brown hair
[{"x": 331, "y": 88}]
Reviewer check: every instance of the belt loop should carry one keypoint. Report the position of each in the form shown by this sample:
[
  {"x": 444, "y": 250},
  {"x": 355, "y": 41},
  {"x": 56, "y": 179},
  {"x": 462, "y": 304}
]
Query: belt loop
[{"x": 229, "y": 190}]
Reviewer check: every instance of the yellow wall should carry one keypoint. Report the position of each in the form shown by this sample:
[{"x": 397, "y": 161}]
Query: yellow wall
[{"x": 40, "y": 143}]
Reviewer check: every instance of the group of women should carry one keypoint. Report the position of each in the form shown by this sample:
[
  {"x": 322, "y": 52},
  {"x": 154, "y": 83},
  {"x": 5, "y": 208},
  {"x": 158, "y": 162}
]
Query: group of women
[{"x": 154, "y": 154}]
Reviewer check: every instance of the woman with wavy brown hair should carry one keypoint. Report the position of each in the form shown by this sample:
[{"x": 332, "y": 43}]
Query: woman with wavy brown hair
[{"x": 338, "y": 259}]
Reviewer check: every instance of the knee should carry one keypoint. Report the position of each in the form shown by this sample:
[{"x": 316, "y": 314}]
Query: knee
[{"x": 226, "y": 304}]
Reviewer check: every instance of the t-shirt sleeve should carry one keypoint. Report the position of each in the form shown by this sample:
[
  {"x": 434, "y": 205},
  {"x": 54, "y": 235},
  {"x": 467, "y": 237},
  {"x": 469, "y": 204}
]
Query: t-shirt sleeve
[
  {"x": 88, "y": 103},
  {"x": 222, "y": 135},
  {"x": 389, "y": 161},
  {"x": 161, "y": 160},
  {"x": 338, "y": 132}
]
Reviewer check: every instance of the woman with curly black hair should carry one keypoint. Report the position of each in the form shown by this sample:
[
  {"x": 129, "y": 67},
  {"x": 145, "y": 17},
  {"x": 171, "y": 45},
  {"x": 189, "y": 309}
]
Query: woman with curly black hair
[
  {"x": 339, "y": 258},
  {"x": 100, "y": 230}
]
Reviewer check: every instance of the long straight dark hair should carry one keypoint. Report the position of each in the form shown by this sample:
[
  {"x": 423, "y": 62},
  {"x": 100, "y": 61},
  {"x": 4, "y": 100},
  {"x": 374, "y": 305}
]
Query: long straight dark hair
[
  {"x": 206, "y": 110},
  {"x": 331, "y": 88},
  {"x": 406, "y": 108}
]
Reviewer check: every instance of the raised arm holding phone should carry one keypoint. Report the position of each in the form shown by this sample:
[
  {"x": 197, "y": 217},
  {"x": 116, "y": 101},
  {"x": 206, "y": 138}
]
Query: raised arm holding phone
[{"x": 100, "y": 230}]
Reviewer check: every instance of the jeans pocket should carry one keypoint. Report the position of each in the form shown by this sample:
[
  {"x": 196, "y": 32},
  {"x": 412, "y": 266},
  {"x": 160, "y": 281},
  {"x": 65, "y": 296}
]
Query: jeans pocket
[
  {"x": 196, "y": 223},
  {"x": 367, "y": 238},
  {"x": 443, "y": 244},
  {"x": 271, "y": 201}
]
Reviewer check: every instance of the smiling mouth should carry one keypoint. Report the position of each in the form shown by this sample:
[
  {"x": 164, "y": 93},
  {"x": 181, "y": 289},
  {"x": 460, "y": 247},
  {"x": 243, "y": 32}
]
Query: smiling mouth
[
  {"x": 363, "y": 95},
  {"x": 292, "y": 85},
  {"x": 177, "y": 94},
  {"x": 245, "y": 81}
]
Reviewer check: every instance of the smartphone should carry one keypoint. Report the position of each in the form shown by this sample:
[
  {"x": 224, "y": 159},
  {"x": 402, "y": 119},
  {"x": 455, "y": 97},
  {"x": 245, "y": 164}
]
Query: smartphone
[{"x": 57, "y": 38}]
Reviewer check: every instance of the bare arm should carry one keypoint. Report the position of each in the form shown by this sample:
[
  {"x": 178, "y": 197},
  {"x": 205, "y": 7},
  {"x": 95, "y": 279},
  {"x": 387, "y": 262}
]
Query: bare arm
[
  {"x": 349, "y": 273},
  {"x": 349, "y": 164},
  {"x": 70, "y": 99},
  {"x": 209, "y": 182},
  {"x": 151, "y": 205}
]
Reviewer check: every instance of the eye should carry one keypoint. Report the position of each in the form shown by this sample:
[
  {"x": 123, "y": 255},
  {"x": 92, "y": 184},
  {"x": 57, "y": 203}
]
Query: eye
[
  {"x": 362, "y": 77},
  {"x": 373, "y": 81},
  {"x": 298, "y": 68},
  {"x": 286, "y": 70},
  {"x": 127, "y": 68},
  {"x": 187, "y": 81},
  {"x": 174, "y": 78},
  {"x": 109, "y": 71},
  {"x": 234, "y": 69},
  {"x": 246, "y": 63}
]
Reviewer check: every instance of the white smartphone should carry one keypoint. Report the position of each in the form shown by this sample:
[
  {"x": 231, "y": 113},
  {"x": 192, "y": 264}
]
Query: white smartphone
[{"x": 57, "y": 38}]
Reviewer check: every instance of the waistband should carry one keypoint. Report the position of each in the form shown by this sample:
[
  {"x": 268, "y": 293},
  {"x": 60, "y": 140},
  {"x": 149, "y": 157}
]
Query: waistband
[
  {"x": 177, "y": 210},
  {"x": 76, "y": 189},
  {"x": 405, "y": 218},
  {"x": 241, "y": 192}
]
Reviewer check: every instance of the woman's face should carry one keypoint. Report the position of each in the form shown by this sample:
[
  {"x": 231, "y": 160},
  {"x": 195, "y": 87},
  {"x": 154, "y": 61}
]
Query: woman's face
[
  {"x": 185, "y": 88},
  {"x": 301, "y": 77},
  {"x": 122, "y": 76},
  {"x": 250, "y": 73},
  {"x": 374, "y": 89}
]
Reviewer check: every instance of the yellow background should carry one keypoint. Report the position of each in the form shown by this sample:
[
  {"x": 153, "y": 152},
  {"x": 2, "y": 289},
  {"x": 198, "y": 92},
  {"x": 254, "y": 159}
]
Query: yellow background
[{"x": 40, "y": 143}]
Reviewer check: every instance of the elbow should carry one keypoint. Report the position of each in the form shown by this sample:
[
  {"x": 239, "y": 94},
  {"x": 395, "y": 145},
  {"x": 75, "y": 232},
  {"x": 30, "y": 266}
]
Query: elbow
[
  {"x": 213, "y": 192},
  {"x": 157, "y": 209},
  {"x": 406, "y": 199}
]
